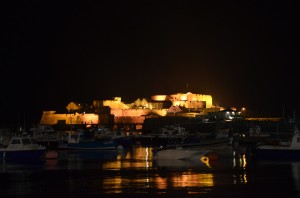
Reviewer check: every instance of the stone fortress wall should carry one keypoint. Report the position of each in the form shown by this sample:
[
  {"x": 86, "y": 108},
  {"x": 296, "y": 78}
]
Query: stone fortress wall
[{"x": 133, "y": 113}]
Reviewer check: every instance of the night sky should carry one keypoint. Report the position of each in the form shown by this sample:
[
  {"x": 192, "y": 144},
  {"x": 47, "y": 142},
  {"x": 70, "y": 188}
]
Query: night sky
[{"x": 243, "y": 53}]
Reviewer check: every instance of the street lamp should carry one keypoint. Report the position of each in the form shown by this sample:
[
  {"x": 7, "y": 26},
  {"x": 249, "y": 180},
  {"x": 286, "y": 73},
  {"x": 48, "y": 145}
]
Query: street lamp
[{"x": 243, "y": 111}]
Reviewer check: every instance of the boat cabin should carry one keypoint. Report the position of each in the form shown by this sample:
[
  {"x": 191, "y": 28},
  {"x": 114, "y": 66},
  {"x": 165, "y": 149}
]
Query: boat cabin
[{"x": 22, "y": 143}]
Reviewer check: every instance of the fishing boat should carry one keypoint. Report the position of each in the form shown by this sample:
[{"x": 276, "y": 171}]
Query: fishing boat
[
  {"x": 78, "y": 141},
  {"x": 283, "y": 150},
  {"x": 22, "y": 148}
]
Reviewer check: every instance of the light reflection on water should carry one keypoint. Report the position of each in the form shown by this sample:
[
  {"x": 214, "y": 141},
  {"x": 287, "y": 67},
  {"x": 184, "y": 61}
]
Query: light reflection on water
[
  {"x": 139, "y": 158},
  {"x": 240, "y": 163},
  {"x": 111, "y": 172},
  {"x": 140, "y": 173}
]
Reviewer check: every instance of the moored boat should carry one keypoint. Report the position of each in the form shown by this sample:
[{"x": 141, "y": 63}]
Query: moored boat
[
  {"x": 282, "y": 151},
  {"x": 22, "y": 148},
  {"x": 194, "y": 142},
  {"x": 180, "y": 154},
  {"x": 77, "y": 141}
]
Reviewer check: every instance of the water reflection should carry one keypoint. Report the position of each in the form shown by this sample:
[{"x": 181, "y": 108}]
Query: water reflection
[
  {"x": 161, "y": 175},
  {"x": 296, "y": 176},
  {"x": 158, "y": 176},
  {"x": 239, "y": 165},
  {"x": 136, "y": 172},
  {"x": 139, "y": 158}
]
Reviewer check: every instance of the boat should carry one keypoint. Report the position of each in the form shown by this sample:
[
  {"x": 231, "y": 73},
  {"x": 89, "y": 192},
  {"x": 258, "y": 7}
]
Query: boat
[
  {"x": 254, "y": 136},
  {"x": 46, "y": 135},
  {"x": 163, "y": 136},
  {"x": 179, "y": 154},
  {"x": 22, "y": 148},
  {"x": 83, "y": 141},
  {"x": 119, "y": 136},
  {"x": 282, "y": 150},
  {"x": 178, "y": 137},
  {"x": 195, "y": 142}
]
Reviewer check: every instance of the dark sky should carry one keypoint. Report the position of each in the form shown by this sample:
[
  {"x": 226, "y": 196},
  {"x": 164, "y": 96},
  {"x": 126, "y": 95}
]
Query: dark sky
[{"x": 243, "y": 53}]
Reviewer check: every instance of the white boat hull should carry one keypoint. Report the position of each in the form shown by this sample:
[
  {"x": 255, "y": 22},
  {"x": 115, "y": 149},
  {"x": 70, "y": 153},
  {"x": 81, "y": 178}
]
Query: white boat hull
[
  {"x": 289, "y": 151},
  {"x": 181, "y": 154}
]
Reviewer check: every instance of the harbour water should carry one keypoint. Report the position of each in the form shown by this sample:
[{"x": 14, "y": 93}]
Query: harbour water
[{"x": 234, "y": 173}]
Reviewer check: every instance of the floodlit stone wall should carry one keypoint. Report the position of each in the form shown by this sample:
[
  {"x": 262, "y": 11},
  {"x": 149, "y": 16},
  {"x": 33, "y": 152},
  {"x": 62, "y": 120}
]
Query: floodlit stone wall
[
  {"x": 51, "y": 118},
  {"x": 128, "y": 113},
  {"x": 135, "y": 116}
]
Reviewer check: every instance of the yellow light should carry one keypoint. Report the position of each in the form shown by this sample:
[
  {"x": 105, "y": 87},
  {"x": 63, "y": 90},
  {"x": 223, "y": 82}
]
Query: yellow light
[{"x": 205, "y": 160}]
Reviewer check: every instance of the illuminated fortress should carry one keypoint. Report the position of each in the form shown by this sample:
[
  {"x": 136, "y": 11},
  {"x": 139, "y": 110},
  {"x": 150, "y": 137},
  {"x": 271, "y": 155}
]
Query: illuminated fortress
[{"x": 105, "y": 112}]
